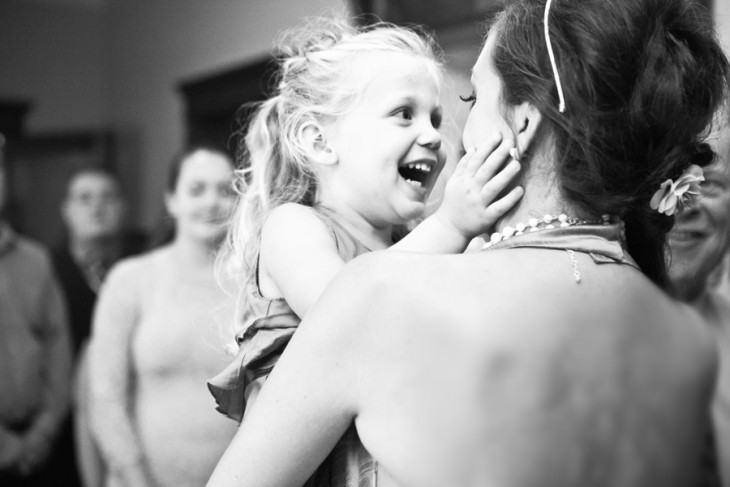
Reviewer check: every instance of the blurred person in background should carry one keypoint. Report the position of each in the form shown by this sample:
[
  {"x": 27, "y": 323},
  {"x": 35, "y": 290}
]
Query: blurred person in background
[
  {"x": 698, "y": 244},
  {"x": 93, "y": 212},
  {"x": 159, "y": 332},
  {"x": 35, "y": 357}
]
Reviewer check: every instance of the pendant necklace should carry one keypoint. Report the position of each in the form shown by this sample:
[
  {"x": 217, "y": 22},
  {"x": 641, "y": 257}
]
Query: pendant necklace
[{"x": 547, "y": 222}]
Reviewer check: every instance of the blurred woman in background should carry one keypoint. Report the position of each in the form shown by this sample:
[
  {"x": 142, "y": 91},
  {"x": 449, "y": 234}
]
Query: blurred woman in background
[{"x": 157, "y": 337}]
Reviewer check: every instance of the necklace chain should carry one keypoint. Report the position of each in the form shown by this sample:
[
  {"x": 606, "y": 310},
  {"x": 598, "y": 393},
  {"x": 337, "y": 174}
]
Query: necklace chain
[{"x": 547, "y": 222}]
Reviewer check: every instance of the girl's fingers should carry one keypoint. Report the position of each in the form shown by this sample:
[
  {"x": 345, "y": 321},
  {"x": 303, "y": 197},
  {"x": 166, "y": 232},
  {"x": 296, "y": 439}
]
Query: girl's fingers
[
  {"x": 459, "y": 168},
  {"x": 498, "y": 208},
  {"x": 494, "y": 162},
  {"x": 483, "y": 154},
  {"x": 501, "y": 180}
]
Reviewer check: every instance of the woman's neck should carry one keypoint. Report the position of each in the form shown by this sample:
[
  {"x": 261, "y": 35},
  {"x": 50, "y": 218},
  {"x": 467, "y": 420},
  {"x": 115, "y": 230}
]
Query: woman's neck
[
  {"x": 542, "y": 197},
  {"x": 194, "y": 254}
]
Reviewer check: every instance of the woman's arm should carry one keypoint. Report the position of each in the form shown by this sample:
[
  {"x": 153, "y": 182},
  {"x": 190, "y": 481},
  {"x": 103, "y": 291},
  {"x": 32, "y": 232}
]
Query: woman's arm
[
  {"x": 90, "y": 463},
  {"x": 110, "y": 373},
  {"x": 470, "y": 206},
  {"x": 308, "y": 402}
]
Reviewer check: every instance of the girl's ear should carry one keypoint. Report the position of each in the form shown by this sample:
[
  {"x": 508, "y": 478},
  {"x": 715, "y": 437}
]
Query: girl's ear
[
  {"x": 526, "y": 122},
  {"x": 313, "y": 139}
]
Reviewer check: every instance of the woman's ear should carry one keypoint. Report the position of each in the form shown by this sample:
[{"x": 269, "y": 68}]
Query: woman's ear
[
  {"x": 312, "y": 137},
  {"x": 526, "y": 122}
]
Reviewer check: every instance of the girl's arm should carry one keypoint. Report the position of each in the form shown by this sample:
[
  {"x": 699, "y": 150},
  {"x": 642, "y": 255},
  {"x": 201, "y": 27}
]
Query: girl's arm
[
  {"x": 469, "y": 206},
  {"x": 110, "y": 373},
  {"x": 298, "y": 257}
]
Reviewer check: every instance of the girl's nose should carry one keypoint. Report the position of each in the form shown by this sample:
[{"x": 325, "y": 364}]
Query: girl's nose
[{"x": 430, "y": 137}]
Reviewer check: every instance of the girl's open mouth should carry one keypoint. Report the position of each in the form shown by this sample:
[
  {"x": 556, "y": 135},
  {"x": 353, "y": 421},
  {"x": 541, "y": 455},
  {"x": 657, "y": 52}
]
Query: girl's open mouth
[{"x": 417, "y": 173}]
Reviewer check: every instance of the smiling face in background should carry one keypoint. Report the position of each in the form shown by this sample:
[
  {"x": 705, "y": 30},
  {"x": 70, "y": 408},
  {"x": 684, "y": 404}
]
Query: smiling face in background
[
  {"x": 93, "y": 208},
  {"x": 388, "y": 147},
  {"x": 203, "y": 198},
  {"x": 701, "y": 234}
]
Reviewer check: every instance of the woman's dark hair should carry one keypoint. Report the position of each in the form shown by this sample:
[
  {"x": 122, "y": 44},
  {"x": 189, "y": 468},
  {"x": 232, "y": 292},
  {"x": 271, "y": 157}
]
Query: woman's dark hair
[
  {"x": 173, "y": 170},
  {"x": 642, "y": 80}
]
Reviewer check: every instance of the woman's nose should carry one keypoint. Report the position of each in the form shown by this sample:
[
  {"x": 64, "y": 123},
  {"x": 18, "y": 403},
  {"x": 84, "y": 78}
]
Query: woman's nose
[{"x": 211, "y": 198}]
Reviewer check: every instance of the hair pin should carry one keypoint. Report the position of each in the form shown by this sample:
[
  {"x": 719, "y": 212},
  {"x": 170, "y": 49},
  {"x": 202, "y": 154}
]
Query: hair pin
[{"x": 551, "y": 54}]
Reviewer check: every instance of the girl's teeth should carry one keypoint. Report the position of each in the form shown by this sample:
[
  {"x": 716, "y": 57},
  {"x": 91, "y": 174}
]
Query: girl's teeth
[{"x": 417, "y": 184}]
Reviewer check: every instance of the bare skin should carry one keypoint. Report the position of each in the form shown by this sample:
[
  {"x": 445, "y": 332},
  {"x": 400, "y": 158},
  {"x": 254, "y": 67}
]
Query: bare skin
[
  {"x": 490, "y": 368},
  {"x": 603, "y": 383}
]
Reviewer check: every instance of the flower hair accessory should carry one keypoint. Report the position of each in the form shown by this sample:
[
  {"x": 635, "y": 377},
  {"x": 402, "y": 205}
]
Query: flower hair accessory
[{"x": 678, "y": 194}]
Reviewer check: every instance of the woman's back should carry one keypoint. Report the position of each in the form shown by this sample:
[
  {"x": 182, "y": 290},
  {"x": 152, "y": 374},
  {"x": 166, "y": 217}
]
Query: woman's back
[{"x": 601, "y": 383}]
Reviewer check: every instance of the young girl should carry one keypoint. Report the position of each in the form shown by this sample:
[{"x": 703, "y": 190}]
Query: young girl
[{"x": 346, "y": 152}]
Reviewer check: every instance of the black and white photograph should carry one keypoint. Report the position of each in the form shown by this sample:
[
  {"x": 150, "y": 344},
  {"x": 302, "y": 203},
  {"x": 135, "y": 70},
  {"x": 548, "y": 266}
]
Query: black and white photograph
[{"x": 365, "y": 243}]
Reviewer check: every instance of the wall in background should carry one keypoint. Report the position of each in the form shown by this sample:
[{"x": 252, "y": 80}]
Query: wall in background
[
  {"x": 52, "y": 53},
  {"x": 156, "y": 44},
  {"x": 116, "y": 64}
]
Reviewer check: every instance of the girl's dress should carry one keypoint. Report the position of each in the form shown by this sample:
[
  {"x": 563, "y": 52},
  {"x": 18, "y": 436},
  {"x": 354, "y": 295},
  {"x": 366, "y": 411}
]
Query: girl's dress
[{"x": 269, "y": 324}]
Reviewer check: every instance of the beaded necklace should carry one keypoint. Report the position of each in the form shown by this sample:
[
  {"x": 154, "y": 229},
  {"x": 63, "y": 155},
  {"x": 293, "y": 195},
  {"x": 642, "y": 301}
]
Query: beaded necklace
[{"x": 547, "y": 222}]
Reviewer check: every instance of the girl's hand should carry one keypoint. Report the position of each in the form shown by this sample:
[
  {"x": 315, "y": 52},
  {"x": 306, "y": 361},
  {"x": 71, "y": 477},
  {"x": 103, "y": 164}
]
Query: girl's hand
[{"x": 469, "y": 205}]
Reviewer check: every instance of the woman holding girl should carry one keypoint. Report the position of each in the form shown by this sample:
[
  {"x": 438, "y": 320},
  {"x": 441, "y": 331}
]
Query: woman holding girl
[
  {"x": 342, "y": 157},
  {"x": 554, "y": 357}
]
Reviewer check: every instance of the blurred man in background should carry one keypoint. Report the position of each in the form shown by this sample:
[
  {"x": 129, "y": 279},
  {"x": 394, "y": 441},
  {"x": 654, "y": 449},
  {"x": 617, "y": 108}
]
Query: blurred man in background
[
  {"x": 93, "y": 212},
  {"x": 35, "y": 356}
]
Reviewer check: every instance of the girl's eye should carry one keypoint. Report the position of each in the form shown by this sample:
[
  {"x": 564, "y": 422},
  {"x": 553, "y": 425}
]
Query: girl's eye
[
  {"x": 405, "y": 113},
  {"x": 436, "y": 120},
  {"x": 472, "y": 98}
]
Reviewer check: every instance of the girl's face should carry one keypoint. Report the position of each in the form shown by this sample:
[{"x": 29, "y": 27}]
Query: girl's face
[
  {"x": 388, "y": 146},
  {"x": 486, "y": 115},
  {"x": 203, "y": 198}
]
